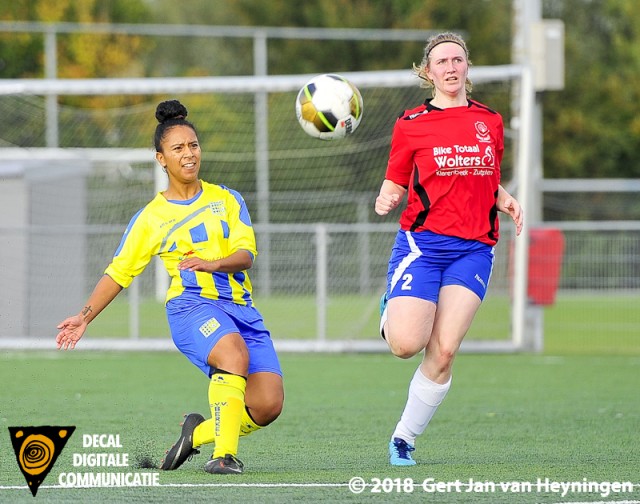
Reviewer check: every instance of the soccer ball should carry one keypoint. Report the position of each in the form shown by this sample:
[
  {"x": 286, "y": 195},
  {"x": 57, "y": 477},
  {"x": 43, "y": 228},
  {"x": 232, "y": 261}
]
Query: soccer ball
[{"x": 329, "y": 107}]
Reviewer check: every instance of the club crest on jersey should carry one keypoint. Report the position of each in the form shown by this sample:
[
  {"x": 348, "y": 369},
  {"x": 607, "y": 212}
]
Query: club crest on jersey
[
  {"x": 217, "y": 207},
  {"x": 482, "y": 132}
]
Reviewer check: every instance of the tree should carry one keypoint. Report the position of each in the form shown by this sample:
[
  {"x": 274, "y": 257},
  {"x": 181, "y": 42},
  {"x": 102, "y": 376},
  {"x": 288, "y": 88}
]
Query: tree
[
  {"x": 79, "y": 55},
  {"x": 592, "y": 127}
]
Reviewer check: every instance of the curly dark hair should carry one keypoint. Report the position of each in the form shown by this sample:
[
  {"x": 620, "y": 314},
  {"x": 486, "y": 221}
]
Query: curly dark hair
[{"x": 170, "y": 113}]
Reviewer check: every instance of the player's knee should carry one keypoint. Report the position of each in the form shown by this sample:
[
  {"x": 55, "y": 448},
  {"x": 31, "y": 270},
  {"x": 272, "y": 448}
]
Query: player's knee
[
  {"x": 267, "y": 411},
  {"x": 234, "y": 364},
  {"x": 230, "y": 354},
  {"x": 273, "y": 411},
  {"x": 443, "y": 358},
  {"x": 404, "y": 348}
]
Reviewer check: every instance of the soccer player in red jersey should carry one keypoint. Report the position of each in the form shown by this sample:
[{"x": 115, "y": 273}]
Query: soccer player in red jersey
[{"x": 445, "y": 157}]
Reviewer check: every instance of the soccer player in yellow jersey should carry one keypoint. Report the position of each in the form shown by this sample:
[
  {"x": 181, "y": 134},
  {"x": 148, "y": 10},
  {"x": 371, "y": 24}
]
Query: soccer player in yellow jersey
[{"x": 203, "y": 234}]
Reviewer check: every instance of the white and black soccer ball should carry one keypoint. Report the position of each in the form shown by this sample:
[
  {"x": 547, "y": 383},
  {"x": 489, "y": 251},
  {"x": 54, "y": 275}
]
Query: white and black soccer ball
[{"x": 329, "y": 107}]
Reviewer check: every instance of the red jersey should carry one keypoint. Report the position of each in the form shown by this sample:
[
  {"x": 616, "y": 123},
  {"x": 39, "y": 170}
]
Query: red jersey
[{"x": 449, "y": 160}]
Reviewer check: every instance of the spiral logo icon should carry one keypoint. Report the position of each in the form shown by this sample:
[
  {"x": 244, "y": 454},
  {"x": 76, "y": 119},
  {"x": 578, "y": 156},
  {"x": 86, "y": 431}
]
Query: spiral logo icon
[
  {"x": 36, "y": 450},
  {"x": 36, "y": 453}
]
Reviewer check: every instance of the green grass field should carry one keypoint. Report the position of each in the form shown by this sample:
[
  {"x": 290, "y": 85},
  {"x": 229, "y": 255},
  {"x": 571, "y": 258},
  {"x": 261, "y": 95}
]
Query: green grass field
[
  {"x": 588, "y": 324},
  {"x": 507, "y": 418}
]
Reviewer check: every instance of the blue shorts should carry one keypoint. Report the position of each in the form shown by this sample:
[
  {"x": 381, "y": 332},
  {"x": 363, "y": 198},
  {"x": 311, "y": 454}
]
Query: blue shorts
[
  {"x": 197, "y": 324},
  {"x": 421, "y": 263}
]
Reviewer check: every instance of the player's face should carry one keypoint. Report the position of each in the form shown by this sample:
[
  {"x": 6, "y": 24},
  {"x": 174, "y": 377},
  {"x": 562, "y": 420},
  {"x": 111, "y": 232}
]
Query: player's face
[
  {"x": 180, "y": 154},
  {"x": 448, "y": 68}
]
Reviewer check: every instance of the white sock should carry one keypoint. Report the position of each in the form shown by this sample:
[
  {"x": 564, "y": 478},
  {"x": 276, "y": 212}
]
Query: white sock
[{"x": 424, "y": 398}]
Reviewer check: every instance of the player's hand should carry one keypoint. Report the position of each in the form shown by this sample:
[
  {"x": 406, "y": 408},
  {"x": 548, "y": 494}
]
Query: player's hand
[
  {"x": 386, "y": 202},
  {"x": 71, "y": 330},
  {"x": 197, "y": 264},
  {"x": 512, "y": 208}
]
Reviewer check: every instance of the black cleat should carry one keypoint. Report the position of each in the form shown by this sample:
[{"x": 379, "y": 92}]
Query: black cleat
[
  {"x": 183, "y": 449},
  {"x": 224, "y": 465}
]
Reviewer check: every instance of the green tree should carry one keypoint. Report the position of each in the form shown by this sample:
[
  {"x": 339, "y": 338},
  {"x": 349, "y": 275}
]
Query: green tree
[
  {"x": 592, "y": 127},
  {"x": 79, "y": 55},
  {"x": 475, "y": 19}
]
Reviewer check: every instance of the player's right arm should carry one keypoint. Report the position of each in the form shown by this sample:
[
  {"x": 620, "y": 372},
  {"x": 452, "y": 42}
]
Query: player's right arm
[
  {"x": 399, "y": 170},
  {"x": 72, "y": 328},
  {"x": 389, "y": 198},
  {"x": 130, "y": 259}
]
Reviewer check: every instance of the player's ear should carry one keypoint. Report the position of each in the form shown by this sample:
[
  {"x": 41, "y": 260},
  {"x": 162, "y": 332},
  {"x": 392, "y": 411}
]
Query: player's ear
[{"x": 160, "y": 159}]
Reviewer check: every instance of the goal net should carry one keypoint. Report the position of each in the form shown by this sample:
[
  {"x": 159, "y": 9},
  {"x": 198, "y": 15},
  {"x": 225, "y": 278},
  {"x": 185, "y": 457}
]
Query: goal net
[{"x": 323, "y": 251}]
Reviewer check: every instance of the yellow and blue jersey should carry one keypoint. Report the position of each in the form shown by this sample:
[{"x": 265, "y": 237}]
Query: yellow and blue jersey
[{"x": 212, "y": 225}]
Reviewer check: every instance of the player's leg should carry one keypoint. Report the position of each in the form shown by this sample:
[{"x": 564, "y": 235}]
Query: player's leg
[
  {"x": 464, "y": 286},
  {"x": 457, "y": 308},
  {"x": 264, "y": 399},
  {"x": 464, "y": 282},
  {"x": 264, "y": 394},
  {"x": 207, "y": 335},
  {"x": 409, "y": 324},
  {"x": 230, "y": 360},
  {"x": 413, "y": 283},
  {"x": 409, "y": 327},
  {"x": 265, "y": 390},
  {"x": 431, "y": 381}
]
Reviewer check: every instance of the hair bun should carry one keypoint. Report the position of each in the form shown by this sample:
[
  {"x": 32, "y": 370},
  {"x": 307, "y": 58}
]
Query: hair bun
[{"x": 169, "y": 110}]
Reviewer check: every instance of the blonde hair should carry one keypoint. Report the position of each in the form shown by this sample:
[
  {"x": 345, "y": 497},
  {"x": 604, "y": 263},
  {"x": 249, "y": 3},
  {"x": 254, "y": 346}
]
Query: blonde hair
[{"x": 440, "y": 38}]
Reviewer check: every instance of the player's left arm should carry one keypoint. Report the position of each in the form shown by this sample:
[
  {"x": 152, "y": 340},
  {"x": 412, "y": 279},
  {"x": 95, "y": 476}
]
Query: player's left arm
[
  {"x": 241, "y": 241},
  {"x": 510, "y": 206},
  {"x": 240, "y": 260}
]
